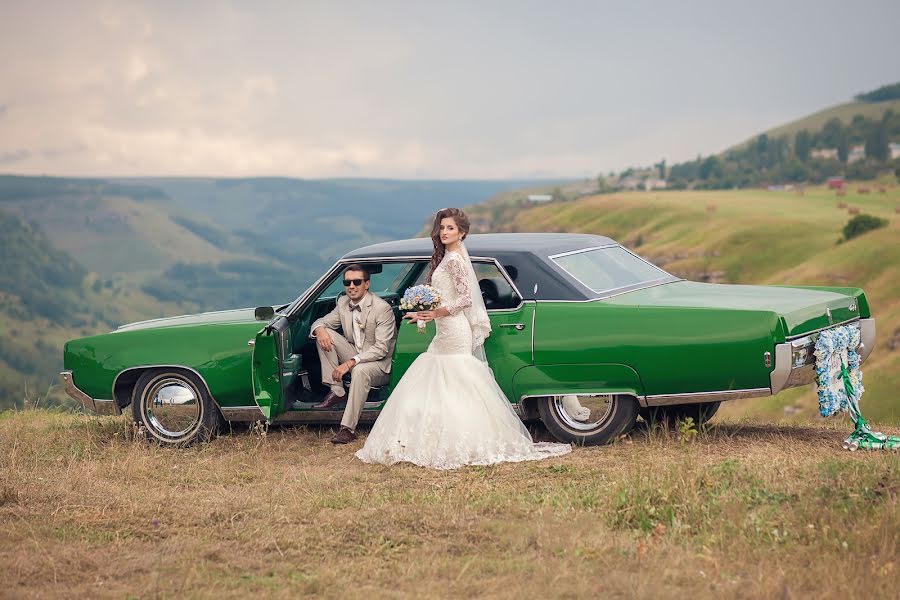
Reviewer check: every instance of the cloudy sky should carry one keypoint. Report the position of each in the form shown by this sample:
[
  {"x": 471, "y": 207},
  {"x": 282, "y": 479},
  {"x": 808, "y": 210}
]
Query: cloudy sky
[{"x": 418, "y": 89}]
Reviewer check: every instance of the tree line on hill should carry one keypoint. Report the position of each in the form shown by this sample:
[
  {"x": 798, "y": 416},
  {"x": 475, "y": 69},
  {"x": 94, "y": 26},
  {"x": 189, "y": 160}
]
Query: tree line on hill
[{"x": 804, "y": 157}]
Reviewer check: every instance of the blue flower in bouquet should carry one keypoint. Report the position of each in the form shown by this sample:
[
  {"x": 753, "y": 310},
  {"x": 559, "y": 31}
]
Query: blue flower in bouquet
[{"x": 420, "y": 297}]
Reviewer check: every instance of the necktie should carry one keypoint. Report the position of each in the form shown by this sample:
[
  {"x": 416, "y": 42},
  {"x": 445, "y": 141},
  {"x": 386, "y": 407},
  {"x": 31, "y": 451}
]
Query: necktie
[{"x": 355, "y": 307}]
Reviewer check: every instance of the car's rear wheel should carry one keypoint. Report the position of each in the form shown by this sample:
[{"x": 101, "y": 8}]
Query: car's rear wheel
[
  {"x": 700, "y": 413},
  {"x": 588, "y": 420},
  {"x": 174, "y": 407}
]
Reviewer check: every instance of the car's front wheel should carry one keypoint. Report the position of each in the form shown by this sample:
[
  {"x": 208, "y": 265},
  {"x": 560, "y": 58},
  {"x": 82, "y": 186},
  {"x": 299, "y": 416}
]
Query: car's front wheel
[
  {"x": 174, "y": 407},
  {"x": 588, "y": 420}
]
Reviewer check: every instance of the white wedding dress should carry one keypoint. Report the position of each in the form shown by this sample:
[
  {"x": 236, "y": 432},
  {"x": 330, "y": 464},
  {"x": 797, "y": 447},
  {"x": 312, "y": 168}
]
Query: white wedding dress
[{"x": 447, "y": 410}]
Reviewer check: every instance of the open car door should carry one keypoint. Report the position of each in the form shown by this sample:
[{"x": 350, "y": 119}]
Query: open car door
[{"x": 267, "y": 385}]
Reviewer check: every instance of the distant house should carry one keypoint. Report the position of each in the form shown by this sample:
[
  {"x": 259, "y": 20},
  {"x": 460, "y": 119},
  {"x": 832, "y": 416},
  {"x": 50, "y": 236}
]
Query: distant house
[
  {"x": 836, "y": 183},
  {"x": 894, "y": 150},
  {"x": 540, "y": 197},
  {"x": 827, "y": 153},
  {"x": 654, "y": 183},
  {"x": 856, "y": 153},
  {"x": 642, "y": 181}
]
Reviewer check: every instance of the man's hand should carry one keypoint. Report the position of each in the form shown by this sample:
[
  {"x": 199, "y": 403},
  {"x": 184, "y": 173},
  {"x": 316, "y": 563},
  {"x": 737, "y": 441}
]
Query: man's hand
[
  {"x": 323, "y": 338},
  {"x": 342, "y": 369}
]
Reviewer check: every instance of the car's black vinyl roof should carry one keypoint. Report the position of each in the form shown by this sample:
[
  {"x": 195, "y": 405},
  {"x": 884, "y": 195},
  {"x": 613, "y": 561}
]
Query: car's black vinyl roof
[
  {"x": 489, "y": 244},
  {"x": 524, "y": 256}
]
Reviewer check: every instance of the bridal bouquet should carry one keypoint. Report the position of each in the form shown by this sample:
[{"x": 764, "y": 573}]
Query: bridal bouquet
[{"x": 420, "y": 297}]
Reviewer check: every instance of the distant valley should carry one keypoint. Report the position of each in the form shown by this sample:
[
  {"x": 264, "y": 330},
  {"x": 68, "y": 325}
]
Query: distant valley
[{"x": 84, "y": 255}]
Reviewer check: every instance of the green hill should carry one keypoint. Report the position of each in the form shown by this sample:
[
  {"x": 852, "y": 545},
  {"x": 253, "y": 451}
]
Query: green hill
[
  {"x": 753, "y": 237},
  {"x": 843, "y": 112},
  {"x": 48, "y": 297}
]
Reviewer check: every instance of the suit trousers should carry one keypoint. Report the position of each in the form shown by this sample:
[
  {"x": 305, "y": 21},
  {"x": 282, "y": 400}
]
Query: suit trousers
[{"x": 364, "y": 377}]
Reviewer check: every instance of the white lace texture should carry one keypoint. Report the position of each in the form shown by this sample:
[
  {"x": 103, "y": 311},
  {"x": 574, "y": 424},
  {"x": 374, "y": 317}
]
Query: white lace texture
[
  {"x": 454, "y": 334},
  {"x": 448, "y": 411}
]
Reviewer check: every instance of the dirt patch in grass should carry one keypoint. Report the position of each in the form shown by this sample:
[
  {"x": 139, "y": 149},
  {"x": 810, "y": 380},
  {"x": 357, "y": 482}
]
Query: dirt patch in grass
[{"x": 743, "y": 510}]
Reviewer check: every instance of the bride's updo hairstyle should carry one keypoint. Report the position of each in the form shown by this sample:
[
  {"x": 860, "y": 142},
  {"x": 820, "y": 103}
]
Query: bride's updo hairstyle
[{"x": 462, "y": 223}]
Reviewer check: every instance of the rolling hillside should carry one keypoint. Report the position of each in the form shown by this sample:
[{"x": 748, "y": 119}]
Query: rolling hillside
[
  {"x": 845, "y": 112},
  {"x": 85, "y": 255},
  {"x": 754, "y": 237}
]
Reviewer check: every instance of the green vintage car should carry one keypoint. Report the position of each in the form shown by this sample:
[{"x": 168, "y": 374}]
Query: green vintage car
[{"x": 586, "y": 336}]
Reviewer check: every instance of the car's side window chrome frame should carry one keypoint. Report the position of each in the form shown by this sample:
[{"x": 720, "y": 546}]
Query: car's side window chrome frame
[{"x": 327, "y": 278}]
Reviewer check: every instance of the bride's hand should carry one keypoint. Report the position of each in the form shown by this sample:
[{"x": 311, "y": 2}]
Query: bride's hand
[
  {"x": 425, "y": 315},
  {"x": 410, "y": 316}
]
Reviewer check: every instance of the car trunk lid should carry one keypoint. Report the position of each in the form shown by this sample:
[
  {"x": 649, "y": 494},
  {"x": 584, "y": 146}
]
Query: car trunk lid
[{"x": 801, "y": 309}]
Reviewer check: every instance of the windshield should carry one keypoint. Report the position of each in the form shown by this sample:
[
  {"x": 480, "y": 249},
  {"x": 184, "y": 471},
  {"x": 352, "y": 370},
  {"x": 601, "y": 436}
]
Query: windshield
[{"x": 610, "y": 268}]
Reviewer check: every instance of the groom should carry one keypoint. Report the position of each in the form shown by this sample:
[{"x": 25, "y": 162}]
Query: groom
[{"x": 364, "y": 350}]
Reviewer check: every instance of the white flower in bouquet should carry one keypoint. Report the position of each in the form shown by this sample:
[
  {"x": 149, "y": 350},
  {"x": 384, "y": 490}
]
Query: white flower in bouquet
[{"x": 420, "y": 297}]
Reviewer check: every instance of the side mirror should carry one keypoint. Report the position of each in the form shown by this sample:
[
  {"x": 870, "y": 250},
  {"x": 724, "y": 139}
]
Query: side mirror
[{"x": 264, "y": 313}]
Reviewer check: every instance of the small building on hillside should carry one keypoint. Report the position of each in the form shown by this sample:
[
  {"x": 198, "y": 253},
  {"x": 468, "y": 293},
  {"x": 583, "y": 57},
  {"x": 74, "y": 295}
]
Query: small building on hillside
[
  {"x": 836, "y": 183},
  {"x": 539, "y": 197},
  {"x": 894, "y": 149},
  {"x": 856, "y": 153},
  {"x": 654, "y": 183},
  {"x": 826, "y": 153},
  {"x": 642, "y": 181}
]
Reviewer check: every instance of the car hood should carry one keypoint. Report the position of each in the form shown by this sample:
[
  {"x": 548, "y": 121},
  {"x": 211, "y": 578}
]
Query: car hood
[
  {"x": 240, "y": 315},
  {"x": 801, "y": 309}
]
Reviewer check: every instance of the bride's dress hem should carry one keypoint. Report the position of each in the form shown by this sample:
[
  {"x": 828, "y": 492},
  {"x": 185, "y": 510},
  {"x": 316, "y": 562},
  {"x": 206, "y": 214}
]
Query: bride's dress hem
[{"x": 448, "y": 412}]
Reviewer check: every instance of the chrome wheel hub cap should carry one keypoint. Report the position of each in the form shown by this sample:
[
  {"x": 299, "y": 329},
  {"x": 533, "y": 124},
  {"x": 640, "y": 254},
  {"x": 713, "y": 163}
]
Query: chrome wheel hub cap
[
  {"x": 583, "y": 413},
  {"x": 173, "y": 407}
]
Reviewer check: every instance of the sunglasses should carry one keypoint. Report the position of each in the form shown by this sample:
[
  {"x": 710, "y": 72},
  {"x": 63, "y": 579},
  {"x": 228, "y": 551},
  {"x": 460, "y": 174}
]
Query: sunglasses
[{"x": 356, "y": 282}]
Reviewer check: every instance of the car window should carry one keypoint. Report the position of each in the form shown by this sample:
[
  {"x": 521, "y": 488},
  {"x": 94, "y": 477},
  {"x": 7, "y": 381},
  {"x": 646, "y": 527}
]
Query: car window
[
  {"x": 387, "y": 281},
  {"x": 495, "y": 289},
  {"x": 604, "y": 269}
]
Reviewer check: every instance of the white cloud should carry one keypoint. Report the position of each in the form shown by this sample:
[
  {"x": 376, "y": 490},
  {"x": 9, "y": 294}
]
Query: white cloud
[{"x": 361, "y": 89}]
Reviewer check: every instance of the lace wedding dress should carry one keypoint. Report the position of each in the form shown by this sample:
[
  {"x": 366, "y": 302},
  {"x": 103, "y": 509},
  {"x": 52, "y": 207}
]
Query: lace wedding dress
[{"x": 447, "y": 410}]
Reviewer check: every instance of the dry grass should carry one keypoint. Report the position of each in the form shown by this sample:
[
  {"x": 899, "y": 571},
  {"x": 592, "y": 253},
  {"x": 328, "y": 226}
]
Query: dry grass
[{"x": 745, "y": 510}]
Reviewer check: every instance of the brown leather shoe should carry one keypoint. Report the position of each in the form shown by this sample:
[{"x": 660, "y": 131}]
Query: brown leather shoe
[
  {"x": 331, "y": 400},
  {"x": 344, "y": 436}
]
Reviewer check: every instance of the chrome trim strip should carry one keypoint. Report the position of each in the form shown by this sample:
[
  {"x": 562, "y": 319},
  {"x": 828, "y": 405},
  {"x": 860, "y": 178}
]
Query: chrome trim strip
[
  {"x": 867, "y": 337},
  {"x": 194, "y": 371},
  {"x": 101, "y": 407},
  {"x": 242, "y": 413},
  {"x": 802, "y": 375},
  {"x": 815, "y": 331},
  {"x": 783, "y": 365},
  {"x": 631, "y": 393},
  {"x": 533, "y": 317},
  {"x": 571, "y": 252},
  {"x": 698, "y": 397}
]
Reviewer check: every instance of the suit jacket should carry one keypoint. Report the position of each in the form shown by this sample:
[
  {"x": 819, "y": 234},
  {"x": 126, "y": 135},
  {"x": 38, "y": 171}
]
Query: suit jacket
[{"x": 379, "y": 328}]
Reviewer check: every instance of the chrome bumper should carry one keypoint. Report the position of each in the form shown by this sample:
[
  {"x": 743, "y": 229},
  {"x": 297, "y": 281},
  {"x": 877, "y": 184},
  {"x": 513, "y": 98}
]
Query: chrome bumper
[
  {"x": 101, "y": 407},
  {"x": 795, "y": 363}
]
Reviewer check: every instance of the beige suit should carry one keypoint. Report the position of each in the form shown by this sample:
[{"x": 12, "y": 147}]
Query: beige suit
[{"x": 378, "y": 333}]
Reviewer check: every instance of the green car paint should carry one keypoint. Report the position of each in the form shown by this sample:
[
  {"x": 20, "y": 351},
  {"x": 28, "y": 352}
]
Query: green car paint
[{"x": 668, "y": 339}]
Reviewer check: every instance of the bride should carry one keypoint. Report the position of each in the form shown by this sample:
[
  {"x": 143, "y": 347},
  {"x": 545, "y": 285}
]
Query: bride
[{"x": 447, "y": 411}]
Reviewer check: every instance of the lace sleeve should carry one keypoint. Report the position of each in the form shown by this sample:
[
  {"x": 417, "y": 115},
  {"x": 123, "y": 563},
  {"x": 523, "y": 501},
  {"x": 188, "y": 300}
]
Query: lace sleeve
[{"x": 461, "y": 283}]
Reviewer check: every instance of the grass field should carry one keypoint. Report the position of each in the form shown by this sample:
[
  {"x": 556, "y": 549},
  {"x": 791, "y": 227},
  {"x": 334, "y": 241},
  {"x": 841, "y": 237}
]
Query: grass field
[
  {"x": 741, "y": 510},
  {"x": 760, "y": 237}
]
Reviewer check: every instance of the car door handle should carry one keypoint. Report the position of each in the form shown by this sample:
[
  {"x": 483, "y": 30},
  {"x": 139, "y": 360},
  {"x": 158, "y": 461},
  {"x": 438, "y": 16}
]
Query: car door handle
[
  {"x": 518, "y": 326},
  {"x": 251, "y": 343}
]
